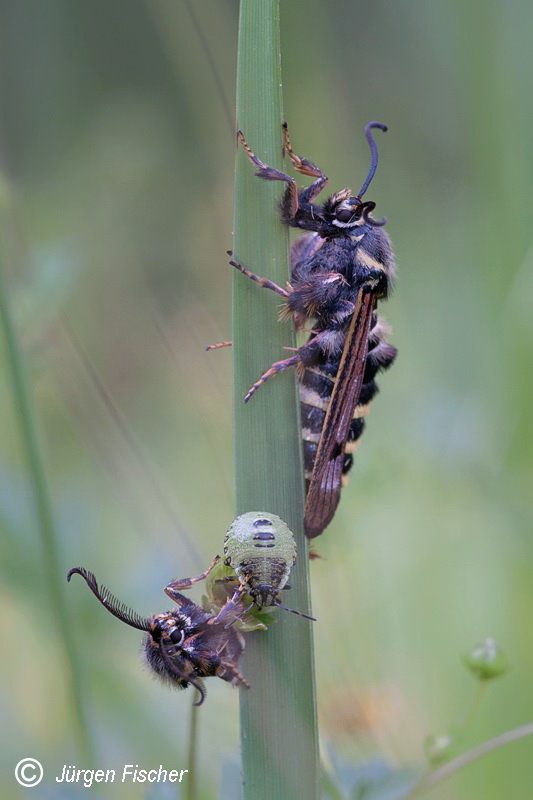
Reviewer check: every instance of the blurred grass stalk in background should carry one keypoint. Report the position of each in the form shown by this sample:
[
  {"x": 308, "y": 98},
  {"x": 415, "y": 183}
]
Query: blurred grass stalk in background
[
  {"x": 279, "y": 732},
  {"x": 52, "y": 572}
]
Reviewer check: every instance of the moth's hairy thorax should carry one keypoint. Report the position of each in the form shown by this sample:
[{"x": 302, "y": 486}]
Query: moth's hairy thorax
[{"x": 325, "y": 282}]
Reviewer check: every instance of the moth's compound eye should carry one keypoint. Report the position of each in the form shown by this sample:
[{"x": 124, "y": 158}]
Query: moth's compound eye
[
  {"x": 156, "y": 631},
  {"x": 177, "y": 636},
  {"x": 344, "y": 214}
]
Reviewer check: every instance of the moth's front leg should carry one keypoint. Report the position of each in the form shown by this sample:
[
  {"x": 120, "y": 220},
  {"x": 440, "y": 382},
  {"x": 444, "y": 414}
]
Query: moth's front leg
[
  {"x": 304, "y": 167},
  {"x": 271, "y": 174},
  {"x": 172, "y": 590},
  {"x": 296, "y": 207}
]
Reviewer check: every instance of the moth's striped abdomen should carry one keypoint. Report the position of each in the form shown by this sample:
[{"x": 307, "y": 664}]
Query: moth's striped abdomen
[{"x": 316, "y": 387}]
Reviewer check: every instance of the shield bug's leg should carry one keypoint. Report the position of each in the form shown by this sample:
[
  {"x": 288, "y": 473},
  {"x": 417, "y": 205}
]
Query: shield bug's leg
[
  {"x": 185, "y": 583},
  {"x": 304, "y": 167},
  {"x": 263, "y": 282},
  {"x": 271, "y": 174}
]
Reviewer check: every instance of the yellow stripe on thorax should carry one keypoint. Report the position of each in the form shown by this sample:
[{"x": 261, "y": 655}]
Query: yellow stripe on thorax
[{"x": 369, "y": 261}]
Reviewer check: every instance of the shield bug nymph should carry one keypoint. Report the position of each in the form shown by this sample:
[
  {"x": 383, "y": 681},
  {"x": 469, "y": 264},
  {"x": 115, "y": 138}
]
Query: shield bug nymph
[
  {"x": 184, "y": 645},
  {"x": 261, "y": 549}
]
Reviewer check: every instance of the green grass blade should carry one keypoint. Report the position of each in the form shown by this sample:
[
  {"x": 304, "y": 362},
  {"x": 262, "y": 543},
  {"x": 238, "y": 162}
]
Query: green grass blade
[
  {"x": 278, "y": 714},
  {"x": 53, "y": 574}
]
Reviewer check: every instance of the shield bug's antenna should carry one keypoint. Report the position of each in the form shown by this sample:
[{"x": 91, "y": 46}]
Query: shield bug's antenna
[
  {"x": 293, "y": 611},
  {"x": 373, "y": 154}
]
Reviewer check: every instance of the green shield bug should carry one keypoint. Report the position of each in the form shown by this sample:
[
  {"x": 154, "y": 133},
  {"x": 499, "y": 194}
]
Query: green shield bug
[{"x": 261, "y": 549}]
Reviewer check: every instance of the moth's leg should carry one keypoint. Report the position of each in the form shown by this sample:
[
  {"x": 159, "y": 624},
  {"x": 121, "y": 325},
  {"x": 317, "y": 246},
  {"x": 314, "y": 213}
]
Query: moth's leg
[
  {"x": 305, "y": 356},
  {"x": 278, "y": 366},
  {"x": 185, "y": 583},
  {"x": 230, "y": 607},
  {"x": 265, "y": 283},
  {"x": 271, "y": 174},
  {"x": 177, "y": 597},
  {"x": 228, "y": 582},
  {"x": 304, "y": 167},
  {"x": 228, "y": 672},
  {"x": 218, "y": 346}
]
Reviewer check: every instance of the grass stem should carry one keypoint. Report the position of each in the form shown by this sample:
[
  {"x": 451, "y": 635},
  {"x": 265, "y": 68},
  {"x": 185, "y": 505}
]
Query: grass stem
[{"x": 279, "y": 733}]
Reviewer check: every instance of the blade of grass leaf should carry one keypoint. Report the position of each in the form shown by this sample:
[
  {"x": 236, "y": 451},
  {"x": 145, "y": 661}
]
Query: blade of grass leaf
[{"x": 279, "y": 733}]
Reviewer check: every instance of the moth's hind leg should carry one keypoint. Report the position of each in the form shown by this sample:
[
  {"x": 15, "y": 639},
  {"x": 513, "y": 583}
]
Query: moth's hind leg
[
  {"x": 278, "y": 366},
  {"x": 306, "y": 355},
  {"x": 229, "y": 672},
  {"x": 304, "y": 167}
]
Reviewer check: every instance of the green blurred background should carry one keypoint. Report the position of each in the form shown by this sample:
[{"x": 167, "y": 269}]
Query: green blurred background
[{"x": 116, "y": 145}]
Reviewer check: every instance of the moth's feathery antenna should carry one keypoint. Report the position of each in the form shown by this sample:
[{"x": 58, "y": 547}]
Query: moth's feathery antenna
[{"x": 115, "y": 606}]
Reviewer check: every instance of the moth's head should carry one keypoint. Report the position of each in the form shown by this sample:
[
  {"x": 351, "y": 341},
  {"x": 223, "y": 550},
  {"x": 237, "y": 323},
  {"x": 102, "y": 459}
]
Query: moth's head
[
  {"x": 344, "y": 212},
  {"x": 166, "y": 634},
  {"x": 165, "y": 654},
  {"x": 168, "y": 627},
  {"x": 164, "y": 648},
  {"x": 173, "y": 666}
]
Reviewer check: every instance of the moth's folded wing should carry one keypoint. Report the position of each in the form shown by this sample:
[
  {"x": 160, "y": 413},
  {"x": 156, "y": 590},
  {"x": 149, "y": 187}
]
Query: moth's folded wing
[{"x": 325, "y": 485}]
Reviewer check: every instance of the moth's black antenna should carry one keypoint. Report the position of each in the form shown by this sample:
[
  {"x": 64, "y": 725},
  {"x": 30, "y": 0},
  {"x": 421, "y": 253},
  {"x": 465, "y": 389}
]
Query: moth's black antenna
[
  {"x": 293, "y": 611},
  {"x": 200, "y": 688},
  {"x": 368, "y": 207},
  {"x": 373, "y": 154},
  {"x": 109, "y": 601},
  {"x": 173, "y": 669}
]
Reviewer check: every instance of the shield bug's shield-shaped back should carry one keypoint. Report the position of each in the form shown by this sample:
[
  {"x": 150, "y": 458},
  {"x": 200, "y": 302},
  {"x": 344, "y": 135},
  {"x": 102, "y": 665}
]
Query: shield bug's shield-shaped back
[{"x": 261, "y": 549}]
